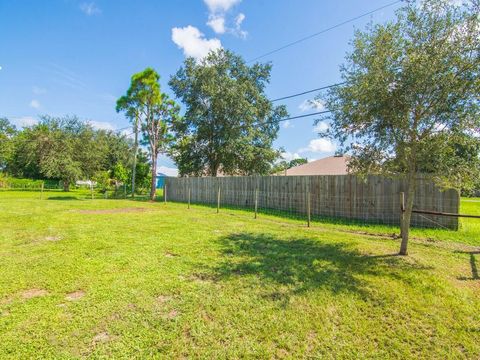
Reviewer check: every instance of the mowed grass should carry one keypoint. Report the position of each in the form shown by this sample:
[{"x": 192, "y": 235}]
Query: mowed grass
[{"x": 133, "y": 279}]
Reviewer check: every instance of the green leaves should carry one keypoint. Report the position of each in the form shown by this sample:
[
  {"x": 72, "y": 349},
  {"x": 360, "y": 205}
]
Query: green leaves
[
  {"x": 411, "y": 95},
  {"x": 152, "y": 112},
  {"x": 64, "y": 148},
  {"x": 229, "y": 124},
  {"x": 7, "y": 132}
]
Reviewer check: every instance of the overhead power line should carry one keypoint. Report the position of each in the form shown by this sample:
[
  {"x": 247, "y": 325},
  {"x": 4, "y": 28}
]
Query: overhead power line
[
  {"x": 309, "y": 91},
  {"x": 306, "y": 115},
  {"x": 324, "y": 31}
]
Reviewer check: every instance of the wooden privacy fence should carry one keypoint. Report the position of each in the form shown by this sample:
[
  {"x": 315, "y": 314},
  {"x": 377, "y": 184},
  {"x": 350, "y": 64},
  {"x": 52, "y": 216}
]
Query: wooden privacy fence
[{"x": 374, "y": 199}]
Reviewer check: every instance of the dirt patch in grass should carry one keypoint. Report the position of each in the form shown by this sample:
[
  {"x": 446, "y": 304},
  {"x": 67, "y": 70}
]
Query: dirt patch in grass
[
  {"x": 76, "y": 295},
  {"x": 114, "y": 211},
  {"x": 162, "y": 299},
  {"x": 33, "y": 293},
  {"x": 169, "y": 254},
  {"x": 102, "y": 337},
  {"x": 202, "y": 278},
  {"x": 172, "y": 314},
  {"x": 53, "y": 238}
]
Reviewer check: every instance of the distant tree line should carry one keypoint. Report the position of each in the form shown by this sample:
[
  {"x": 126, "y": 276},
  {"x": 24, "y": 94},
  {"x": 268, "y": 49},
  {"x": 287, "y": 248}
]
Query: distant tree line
[{"x": 67, "y": 149}]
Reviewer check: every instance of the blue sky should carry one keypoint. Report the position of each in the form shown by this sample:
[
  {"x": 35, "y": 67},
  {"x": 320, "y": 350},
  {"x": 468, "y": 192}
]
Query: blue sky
[{"x": 76, "y": 57}]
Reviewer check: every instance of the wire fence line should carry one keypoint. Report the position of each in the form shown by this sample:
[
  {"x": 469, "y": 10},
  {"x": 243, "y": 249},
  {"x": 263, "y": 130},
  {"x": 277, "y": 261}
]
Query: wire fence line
[
  {"x": 372, "y": 200},
  {"x": 96, "y": 192}
]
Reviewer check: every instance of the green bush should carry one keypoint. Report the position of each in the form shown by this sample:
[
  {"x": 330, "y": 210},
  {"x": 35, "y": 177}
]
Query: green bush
[{"x": 7, "y": 182}]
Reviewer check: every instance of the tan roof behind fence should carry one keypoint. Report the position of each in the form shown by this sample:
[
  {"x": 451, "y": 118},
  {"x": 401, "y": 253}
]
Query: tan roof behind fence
[{"x": 332, "y": 165}]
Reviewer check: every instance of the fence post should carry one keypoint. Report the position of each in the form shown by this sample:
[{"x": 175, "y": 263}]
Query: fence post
[
  {"x": 91, "y": 189},
  {"x": 308, "y": 209},
  {"x": 164, "y": 192},
  {"x": 402, "y": 211},
  {"x": 256, "y": 202},
  {"x": 189, "y": 195},
  {"x": 41, "y": 195},
  {"x": 218, "y": 200}
]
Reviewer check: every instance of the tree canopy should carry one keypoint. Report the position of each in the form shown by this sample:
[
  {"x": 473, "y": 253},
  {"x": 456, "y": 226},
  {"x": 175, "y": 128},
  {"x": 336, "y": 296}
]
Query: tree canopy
[
  {"x": 229, "y": 123},
  {"x": 153, "y": 112},
  {"x": 285, "y": 165},
  {"x": 7, "y": 133},
  {"x": 410, "y": 101},
  {"x": 66, "y": 149}
]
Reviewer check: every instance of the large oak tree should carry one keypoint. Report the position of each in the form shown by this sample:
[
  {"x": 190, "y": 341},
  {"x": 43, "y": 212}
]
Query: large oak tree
[{"x": 229, "y": 125}]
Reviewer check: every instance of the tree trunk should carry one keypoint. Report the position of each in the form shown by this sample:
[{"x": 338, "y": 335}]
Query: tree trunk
[
  {"x": 213, "y": 170},
  {"x": 134, "y": 169},
  {"x": 407, "y": 215},
  {"x": 66, "y": 186},
  {"x": 153, "y": 188}
]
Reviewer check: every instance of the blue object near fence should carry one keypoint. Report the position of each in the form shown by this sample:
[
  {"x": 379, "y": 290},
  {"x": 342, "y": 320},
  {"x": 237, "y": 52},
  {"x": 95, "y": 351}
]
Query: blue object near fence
[{"x": 160, "y": 180}]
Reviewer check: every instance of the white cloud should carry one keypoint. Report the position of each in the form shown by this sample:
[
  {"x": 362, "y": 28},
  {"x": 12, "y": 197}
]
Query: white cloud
[
  {"x": 319, "y": 146},
  {"x": 193, "y": 42},
  {"x": 169, "y": 171},
  {"x": 90, "y": 9},
  {"x": 35, "y": 104},
  {"x": 321, "y": 127},
  {"x": 221, "y": 5},
  {"x": 217, "y": 23},
  {"x": 217, "y": 18},
  {"x": 25, "y": 121},
  {"x": 101, "y": 125},
  {"x": 288, "y": 125},
  {"x": 38, "y": 90},
  {"x": 288, "y": 156},
  {"x": 308, "y": 104},
  {"x": 239, "y": 19},
  {"x": 238, "y": 26}
]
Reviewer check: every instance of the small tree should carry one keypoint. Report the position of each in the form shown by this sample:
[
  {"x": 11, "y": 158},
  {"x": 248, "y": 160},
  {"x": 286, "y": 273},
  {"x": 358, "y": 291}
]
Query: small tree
[
  {"x": 119, "y": 174},
  {"x": 102, "y": 180},
  {"x": 411, "y": 97},
  {"x": 229, "y": 124}
]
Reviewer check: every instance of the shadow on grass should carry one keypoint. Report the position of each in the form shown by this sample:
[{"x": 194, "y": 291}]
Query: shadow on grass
[
  {"x": 473, "y": 265},
  {"x": 385, "y": 228},
  {"x": 302, "y": 264},
  {"x": 62, "y": 198}
]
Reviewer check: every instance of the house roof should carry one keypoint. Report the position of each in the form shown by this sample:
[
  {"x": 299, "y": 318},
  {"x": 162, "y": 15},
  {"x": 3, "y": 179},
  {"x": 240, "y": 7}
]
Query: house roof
[{"x": 332, "y": 165}]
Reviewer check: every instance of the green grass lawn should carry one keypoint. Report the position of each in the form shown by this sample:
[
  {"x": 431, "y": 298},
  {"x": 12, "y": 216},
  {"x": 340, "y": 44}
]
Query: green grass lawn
[{"x": 134, "y": 279}]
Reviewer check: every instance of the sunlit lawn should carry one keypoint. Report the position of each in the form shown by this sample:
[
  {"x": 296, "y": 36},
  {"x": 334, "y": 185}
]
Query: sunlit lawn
[{"x": 134, "y": 279}]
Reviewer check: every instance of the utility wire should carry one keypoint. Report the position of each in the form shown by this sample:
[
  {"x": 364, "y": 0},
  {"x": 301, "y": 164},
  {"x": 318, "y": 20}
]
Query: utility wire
[
  {"x": 306, "y": 115},
  {"x": 309, "y": 91},
  {"x": 323, "y": 31}
]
